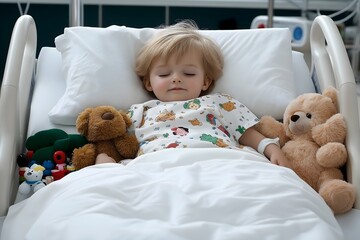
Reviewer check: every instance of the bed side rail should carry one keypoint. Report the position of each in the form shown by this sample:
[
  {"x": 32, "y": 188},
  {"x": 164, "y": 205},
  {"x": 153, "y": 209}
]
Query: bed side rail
[
  {"x": 333, "y": 68},
  {"x": 14, "y": 104}
]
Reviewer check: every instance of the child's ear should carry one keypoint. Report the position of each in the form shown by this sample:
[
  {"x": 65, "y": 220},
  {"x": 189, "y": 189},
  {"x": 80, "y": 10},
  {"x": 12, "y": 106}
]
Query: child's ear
[
  {"x": 207, "y": 83},
  {"x": 147, "y": 84}
]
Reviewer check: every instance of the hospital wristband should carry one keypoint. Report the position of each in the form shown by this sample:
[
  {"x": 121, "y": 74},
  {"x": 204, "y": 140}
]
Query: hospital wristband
[{"x": 266, "y": 141}]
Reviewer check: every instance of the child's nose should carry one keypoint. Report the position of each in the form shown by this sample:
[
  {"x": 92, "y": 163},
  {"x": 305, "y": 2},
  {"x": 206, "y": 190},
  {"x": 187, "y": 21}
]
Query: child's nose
[{"x": 176, "y": 78}]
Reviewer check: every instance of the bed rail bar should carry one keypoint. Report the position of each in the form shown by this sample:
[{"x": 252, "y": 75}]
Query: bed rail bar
[
  {"x": 14, "y": 102},
  {"x": 76, "y": 13},
  {"x": 333, "y": 68}
]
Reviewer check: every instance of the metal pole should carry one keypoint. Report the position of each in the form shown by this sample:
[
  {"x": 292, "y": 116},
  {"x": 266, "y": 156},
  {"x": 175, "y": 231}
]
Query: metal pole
[
  {"x": 100, "y": 17},
  {"x": 76, "y": 13},
  {"x": 167, "y": 15},
  {"x": 270, "y": 13}
]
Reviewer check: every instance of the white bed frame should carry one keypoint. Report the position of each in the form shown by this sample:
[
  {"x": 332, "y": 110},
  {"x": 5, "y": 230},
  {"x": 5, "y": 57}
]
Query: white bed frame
[
  {"x": 14, "y": 104},
  {"x": 330, "y": 61}
]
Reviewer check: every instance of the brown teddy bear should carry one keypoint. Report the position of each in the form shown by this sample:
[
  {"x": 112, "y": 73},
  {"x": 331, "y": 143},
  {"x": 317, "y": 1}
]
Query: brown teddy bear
[
  {"x": 106, "y": 130},
  {"x": 312, "y": 137}
]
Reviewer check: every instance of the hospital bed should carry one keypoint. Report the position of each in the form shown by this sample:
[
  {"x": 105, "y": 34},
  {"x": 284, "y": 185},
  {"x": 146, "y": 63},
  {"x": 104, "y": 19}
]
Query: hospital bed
[{"x": 174, "y": 193}]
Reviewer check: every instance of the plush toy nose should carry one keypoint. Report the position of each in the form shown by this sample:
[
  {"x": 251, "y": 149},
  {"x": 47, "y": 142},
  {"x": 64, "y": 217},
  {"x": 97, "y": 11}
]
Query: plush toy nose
[
  {"x": 294, "y": 118},
  {"x": 107, "y": 116}
]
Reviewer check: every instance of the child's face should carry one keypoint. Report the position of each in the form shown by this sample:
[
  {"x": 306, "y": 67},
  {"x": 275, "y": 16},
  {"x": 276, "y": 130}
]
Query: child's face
[{"x": 178, "y": 79}]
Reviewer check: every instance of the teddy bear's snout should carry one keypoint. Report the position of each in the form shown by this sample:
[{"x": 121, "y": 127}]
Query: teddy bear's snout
[
  {"x": 300, "y": 123},
  {"x": 107, "y": 116}
]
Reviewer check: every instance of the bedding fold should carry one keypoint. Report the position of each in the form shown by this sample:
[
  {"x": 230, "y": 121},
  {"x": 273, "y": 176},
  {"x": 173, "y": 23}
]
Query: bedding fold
[{"x": 176, "y": 194}]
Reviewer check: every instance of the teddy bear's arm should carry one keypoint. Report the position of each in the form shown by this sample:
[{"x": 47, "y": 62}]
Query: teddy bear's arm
[
  {"x": 127, "y": 145},
  {"x": 271, "y": 128},
  {"x": 84, "y": 156},
  {"x": 333, "y": 130}
]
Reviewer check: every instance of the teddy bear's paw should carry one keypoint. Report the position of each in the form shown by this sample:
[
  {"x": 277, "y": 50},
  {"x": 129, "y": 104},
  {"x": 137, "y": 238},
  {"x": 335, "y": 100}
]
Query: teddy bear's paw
[
  {"x": 333, "y": 130},
  {"x": 337, "y": 120},
  {"x": 127, "y": 146},
  {"x": 339, "y": 195},
  {"x": 84, "y": 156},
  {"x": 332, "y": 155},
  {"x": 268, "y": 126},
  {"x": 271, "y": 128}
]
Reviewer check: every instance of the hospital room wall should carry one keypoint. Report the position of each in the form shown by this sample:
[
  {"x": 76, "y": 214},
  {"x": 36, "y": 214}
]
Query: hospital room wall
[{"x": 51, "y": 19}]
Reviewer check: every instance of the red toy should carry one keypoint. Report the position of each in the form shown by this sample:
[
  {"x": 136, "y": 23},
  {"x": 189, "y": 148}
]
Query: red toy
[{"x": 60, "y": 168}]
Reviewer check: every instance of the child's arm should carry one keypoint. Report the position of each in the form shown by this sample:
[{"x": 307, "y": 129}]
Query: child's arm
[{"x": 252, "y": 138}]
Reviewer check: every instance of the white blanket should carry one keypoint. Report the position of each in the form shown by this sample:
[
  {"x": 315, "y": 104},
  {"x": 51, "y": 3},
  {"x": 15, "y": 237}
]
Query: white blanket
[{"x": 200, "y": 194}]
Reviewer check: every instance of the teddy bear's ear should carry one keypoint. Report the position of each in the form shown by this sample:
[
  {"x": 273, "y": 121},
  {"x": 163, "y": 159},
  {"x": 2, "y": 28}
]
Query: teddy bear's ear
[
  {"x": 127, "y": 120},
  {"x": 82, "y": 122},
  {"x": 332, "y": 93}
]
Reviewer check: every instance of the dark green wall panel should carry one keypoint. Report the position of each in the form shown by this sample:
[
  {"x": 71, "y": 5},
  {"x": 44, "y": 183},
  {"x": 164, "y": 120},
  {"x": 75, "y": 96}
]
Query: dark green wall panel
[{"x": 51, "y": 19}]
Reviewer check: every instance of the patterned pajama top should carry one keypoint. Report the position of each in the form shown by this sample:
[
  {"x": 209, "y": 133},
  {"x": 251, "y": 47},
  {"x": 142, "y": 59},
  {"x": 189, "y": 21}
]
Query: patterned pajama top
[{"x": 216, "y": 120}]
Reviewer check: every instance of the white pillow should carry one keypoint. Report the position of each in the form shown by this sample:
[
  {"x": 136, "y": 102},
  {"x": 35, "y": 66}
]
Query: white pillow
[
  {"x": 302, "y": 76},
  {"x": 98, "y": 65}
]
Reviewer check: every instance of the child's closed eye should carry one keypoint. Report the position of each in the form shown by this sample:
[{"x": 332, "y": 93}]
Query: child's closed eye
[
  {"x": 189, "y": 74},
  {"x": 164, "y": 75}
]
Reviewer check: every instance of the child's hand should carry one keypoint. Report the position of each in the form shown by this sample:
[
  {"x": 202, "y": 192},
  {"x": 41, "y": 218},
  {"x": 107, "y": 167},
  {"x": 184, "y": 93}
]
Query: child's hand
[
  {"x": 277, "y": 156},
  {"x": 252, "y": 138},
  {"x": 103, "y": 158}
]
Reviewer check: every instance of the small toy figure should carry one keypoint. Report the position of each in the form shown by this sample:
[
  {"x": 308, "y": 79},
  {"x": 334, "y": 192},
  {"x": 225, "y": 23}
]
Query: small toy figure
[
  {"x": 33, "y": 179},
  {"x": 48, "y": 165},
  {"x": 60, "y": 168}
]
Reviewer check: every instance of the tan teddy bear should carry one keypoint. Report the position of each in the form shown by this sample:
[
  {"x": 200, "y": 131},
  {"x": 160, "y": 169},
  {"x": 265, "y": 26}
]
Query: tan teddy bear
[
  {"x": 312, "y": 137},
  {"x": 106, "y": 130}
]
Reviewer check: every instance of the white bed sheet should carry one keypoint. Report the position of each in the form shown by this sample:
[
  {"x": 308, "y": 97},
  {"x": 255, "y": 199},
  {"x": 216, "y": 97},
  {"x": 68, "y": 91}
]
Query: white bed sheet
[
  {"x": 176, "y": 194},
  {"x": 349, "y": 223}
]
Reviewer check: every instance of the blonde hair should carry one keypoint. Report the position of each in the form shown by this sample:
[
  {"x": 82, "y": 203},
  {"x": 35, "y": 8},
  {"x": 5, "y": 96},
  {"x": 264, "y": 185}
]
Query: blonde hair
[{"x": 178, "y": 39}]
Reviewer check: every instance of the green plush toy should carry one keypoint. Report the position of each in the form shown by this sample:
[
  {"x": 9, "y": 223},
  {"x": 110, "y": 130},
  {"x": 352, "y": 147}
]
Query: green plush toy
[{"x": 45, "y": 143}]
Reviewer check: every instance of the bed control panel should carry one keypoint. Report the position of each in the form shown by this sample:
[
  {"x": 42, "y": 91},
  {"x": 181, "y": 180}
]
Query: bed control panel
[{"x": 298, "y": 26}]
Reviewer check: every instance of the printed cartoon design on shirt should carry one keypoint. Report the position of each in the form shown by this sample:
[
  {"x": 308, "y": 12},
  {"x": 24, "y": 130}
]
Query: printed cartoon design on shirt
[
  {"x": 214, "y": 140},
  {"x": 146, "y": 141},
  {"x": 195, "y": 122},
  {"x": 180, "y": 131},
  {"x": 173, "y": 145},
  {"x": 130, "y": 113},
  {"x": 193, "y": 104},
  {"x": 212, "y": 120},
  {"x": 228, "y": 106},
  {"x": 165, "y": 115},
  {"x": 209, "y": 121},
  {"x": 241, "y": 129},
  {"x": 145, "y": 109},
  {"x": 140, "y": 152}
]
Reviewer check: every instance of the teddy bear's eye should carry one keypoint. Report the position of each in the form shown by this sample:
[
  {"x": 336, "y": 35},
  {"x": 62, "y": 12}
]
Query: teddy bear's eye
[{"x": 308, "y": 115}]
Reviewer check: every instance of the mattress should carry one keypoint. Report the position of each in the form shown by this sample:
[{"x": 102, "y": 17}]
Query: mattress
[{"x": 49, "y": 87}]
